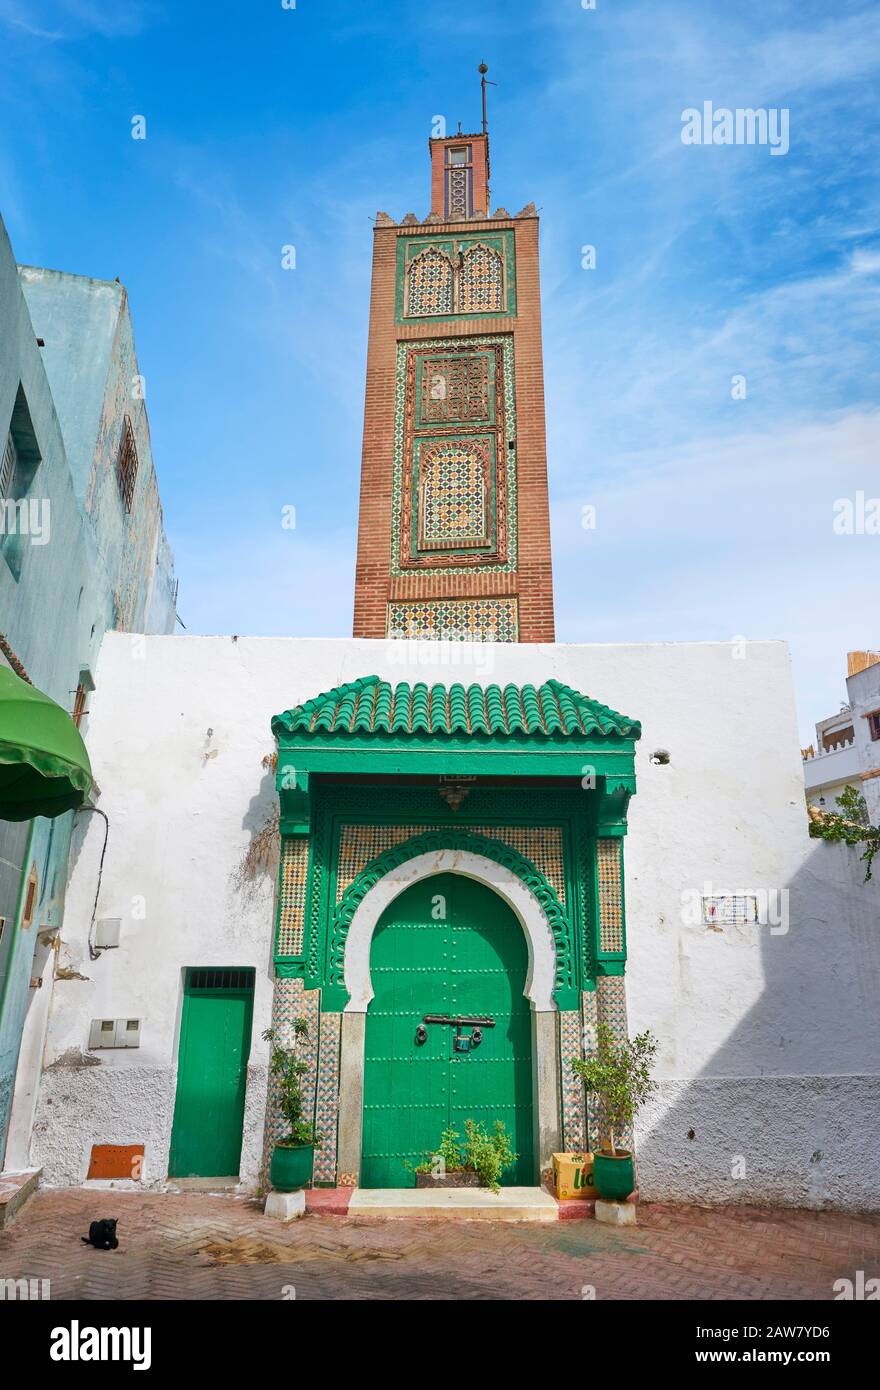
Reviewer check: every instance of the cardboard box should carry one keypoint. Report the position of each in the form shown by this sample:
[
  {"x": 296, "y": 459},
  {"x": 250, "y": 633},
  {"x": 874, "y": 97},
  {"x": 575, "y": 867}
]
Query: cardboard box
[{"x": 573, "y": 1176}]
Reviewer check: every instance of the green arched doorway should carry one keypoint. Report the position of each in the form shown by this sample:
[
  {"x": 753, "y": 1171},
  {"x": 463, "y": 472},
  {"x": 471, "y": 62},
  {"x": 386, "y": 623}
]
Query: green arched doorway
[{"x": 450, "y": 946}]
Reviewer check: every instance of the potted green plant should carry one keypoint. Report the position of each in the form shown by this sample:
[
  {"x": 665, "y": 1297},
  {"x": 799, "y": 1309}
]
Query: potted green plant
[
  {"x": 478, "y": 1162},
  {"x": 293, "y": 1156},
  {"x": 619, "y": 1075}
]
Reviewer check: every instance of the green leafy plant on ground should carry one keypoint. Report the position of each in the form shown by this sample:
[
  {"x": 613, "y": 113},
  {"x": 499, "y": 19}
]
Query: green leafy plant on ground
[
  {"x": 484, "y": 1153},
  {"x": 447, "y": 1152},
  {"x": 851, "y": 824},
  {"x": 619, "y": 1074},
  {"x": 489, "y": 1155},
  {"x": 287, "y": 1069}
]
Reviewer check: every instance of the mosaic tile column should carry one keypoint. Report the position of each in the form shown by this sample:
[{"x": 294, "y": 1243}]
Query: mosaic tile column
[
  {"x": 327, "y": 1102},
  {"x": 595, "y": 1131},
  {"x": 611, "y": 991},
  {"x": 607, "y": 1004},
  {"x": 573, "y": 1129},
  {"x": 292, "y": 896},
  {"x": 291, "y": 1000},
  {"x": 611, "y": 1010}
]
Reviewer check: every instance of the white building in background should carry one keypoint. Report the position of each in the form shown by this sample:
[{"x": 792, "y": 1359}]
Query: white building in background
[
  {"x": 832, "y": 763},
  {"x": 847, "y": 748},
  {"x": 863, "y": 686}
]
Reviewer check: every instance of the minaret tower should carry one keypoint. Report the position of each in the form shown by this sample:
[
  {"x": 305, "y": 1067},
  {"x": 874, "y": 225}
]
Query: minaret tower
[{"x": 454, "y": 530}]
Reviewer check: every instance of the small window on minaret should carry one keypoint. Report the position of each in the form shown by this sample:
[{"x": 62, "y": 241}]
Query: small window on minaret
[{"x": 459, "y": 181}]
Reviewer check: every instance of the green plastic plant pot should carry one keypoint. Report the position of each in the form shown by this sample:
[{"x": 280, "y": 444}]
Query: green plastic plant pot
[
  {"x": 291, "y": 1168},
  {"x": 613, "y": 1178}
]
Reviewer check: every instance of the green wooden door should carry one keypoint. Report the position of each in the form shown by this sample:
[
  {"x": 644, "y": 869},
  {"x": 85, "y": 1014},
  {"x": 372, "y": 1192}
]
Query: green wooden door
[
  {"x": 215, "y": 1042},
  {"x": 471, "y": 960}
]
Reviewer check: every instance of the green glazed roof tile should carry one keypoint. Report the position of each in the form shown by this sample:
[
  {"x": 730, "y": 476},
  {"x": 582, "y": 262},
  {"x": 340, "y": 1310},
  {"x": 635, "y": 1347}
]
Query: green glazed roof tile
[{"x": 373, "y": 706}]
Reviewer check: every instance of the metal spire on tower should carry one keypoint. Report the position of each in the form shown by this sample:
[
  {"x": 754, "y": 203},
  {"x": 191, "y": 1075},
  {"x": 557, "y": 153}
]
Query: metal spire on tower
[{"x": 482, "y": 70}]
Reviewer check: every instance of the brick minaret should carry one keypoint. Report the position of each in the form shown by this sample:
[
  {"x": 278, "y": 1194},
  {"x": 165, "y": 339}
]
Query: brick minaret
[{"x": 454, "y": 532}]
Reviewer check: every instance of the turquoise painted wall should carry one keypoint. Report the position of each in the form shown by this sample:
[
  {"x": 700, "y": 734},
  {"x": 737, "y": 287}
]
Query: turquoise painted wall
[{"x": 101, "y": 568}]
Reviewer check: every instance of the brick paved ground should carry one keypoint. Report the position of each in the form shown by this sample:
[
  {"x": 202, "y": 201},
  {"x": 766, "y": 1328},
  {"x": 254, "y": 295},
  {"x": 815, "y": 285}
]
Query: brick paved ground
[{"x": 197, "y": 1246}]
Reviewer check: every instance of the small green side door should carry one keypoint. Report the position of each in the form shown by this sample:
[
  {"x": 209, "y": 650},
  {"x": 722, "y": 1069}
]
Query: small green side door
[
  {"x": 215, "y": 1043},
  {"x": 471, "y": 960}
]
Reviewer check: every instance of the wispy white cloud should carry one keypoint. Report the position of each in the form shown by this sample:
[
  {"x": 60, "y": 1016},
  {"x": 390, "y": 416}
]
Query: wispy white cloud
[
  {"x": 74, "y": 19},
  {"x": 799, "y": 58},
  {"x": 865, "y": 262},
  {"x": 726, "y": 536}
]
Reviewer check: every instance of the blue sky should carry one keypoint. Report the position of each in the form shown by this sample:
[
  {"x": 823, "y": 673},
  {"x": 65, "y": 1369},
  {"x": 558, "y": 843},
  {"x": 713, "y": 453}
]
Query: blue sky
[{"x": 269, "y": 126}]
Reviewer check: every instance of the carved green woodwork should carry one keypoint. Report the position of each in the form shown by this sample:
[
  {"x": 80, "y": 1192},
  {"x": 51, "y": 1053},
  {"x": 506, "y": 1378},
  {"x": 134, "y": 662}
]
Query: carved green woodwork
[
  {"x": 372, "y": 726},
  {"x": 558, "y": 835},
  {"x": 566, "y": 816},
  {"x": 559, "y": 922}
]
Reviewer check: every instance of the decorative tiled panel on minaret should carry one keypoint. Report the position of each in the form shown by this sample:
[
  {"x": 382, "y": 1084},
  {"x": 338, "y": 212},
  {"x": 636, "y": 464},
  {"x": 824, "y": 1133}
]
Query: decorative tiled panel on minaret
[
  {"x": 454, "y": 536},
  {"x": 453, "y": 498},
  {"x": 456, "y": 277}
]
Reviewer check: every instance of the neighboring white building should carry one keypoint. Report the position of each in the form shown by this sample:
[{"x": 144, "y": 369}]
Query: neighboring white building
[
  {"x": 770, "y": 1034},
  {"x": 832, "y": 764},
  {"x": 847, "y": 749},
  {"x": 863, "y": 687}
]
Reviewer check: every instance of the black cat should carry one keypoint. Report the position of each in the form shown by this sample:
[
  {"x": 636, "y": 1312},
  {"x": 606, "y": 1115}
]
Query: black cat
[{"x": 102, "y": 1234}]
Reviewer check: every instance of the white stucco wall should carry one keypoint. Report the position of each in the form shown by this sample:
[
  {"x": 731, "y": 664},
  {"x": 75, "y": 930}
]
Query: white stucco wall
[{"x": 769, "y": 1042}]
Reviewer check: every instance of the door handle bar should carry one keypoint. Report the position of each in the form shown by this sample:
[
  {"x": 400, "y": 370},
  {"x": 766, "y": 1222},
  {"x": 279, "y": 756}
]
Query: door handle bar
[{"x": 460, "y": 1021}]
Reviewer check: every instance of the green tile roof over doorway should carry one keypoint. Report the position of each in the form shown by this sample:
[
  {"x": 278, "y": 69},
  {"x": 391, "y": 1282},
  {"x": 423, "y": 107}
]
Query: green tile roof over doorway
[{"x": 373, "y": 706}]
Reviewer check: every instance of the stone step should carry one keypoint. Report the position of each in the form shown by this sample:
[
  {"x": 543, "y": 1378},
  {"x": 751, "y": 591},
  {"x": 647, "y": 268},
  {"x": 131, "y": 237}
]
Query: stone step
[
  {"x": 15, "y": 1188},
  {"x": 462, "y": 1203}
]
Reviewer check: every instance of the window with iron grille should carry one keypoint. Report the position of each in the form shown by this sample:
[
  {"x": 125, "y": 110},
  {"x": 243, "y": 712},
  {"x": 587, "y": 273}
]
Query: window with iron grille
[
  {"x": 459, "y": 182},
  {"x": 19, "y": 460},
  {"x": 8, "y": 466},
  {"x": 220, "y": 978},
  {"x": 874, "y": 724},
  {"x": 127, "y": 465}
]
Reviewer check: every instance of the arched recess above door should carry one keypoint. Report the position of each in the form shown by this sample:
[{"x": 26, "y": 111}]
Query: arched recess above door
[{"x": 489, "y": 861}]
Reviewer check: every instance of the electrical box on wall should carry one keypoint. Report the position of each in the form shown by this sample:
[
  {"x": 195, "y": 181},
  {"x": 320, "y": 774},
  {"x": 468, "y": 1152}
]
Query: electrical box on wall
[
  {"x": 128, "y": 1032},
  {"x": 107, "y": 931},
  {"x": 102, "y": 1033},
  {"x": 114, "y": 1032}
]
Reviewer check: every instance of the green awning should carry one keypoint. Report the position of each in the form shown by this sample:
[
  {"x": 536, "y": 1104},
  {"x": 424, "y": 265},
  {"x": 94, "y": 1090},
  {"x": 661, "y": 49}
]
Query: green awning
[{"x": 44, "y": 766}]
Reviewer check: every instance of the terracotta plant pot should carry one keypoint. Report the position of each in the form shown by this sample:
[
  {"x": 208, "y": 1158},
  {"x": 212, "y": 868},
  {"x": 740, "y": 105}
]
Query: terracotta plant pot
[
  {"x": 613, "y": 1178},
  {"x": 291, "y": 1168},
  {"x": 459, "y": 1177}
]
